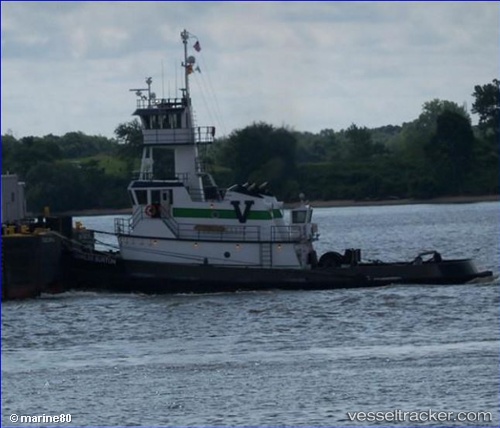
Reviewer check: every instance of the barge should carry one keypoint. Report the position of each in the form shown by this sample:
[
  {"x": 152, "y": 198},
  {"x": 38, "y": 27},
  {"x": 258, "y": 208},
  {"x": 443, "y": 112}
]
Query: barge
[{"x": 31, "y": 248}]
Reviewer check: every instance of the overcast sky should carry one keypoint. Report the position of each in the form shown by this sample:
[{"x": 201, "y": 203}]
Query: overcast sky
[{"x": 68, "y": 66}]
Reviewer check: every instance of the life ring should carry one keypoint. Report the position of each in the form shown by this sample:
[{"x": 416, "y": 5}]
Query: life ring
[{"x": 151, "y": 211}]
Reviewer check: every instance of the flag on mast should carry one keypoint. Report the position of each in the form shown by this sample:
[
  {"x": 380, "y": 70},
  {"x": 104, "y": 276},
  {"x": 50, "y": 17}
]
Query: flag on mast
[{"x": 197, "y": 46}]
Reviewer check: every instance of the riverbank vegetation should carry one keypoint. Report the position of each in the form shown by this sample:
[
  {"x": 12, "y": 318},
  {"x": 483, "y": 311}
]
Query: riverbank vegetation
[{"x": 438, "y": 154}]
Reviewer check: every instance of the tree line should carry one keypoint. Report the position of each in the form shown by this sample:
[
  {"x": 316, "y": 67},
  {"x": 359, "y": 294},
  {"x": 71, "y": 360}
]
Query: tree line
[{"x": 439, "y": 153}]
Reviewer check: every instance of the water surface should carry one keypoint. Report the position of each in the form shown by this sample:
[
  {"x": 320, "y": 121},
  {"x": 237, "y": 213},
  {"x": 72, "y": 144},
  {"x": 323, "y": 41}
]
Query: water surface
[{"x": 275, "y": 357}]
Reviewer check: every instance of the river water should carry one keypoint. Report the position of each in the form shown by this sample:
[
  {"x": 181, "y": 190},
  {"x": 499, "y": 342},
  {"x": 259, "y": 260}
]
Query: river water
[{"x": 276, "y": 357}]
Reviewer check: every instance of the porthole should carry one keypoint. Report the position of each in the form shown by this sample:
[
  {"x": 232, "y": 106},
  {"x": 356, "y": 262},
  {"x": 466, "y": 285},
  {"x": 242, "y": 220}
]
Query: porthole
[{"x": 227, "y": 254}]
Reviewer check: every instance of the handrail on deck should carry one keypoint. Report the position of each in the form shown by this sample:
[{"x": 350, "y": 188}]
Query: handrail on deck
[{"x": 213, "y": 232}]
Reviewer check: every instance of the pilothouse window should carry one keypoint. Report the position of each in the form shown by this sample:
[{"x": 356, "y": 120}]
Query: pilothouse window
[
  {"x": 165, "y": 124},
  {"x": 145, "y": 122},
  {"x": 154, "y": 122},
  {"x": 174, "y": 120},
  {"x": 142, "y": 197},
  {"x": 299, "y": 216},
  {"x": 155, "y": 196}
]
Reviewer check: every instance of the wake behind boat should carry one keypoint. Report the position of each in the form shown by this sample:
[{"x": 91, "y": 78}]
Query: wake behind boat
[{"x": 186, "y": 234}]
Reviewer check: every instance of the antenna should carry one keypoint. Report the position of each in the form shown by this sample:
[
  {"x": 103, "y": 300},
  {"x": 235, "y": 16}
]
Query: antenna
[
  {"x": 140, "y": 98},
  {"x": 176, "y": 88},
  {"x": 139, "y": 91},
  {"x": 187, "y": 66},
  {"x": 162, "y": 81}
]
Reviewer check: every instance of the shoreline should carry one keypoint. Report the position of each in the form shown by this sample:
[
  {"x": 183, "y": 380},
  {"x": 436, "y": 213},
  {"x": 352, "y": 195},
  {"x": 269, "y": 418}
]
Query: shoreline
[
  {"x": 320, "y": 204},
  {"x": 407, "y": 201}
]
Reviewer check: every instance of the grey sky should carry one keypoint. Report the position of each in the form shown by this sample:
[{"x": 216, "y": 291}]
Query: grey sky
[{"x": 68, "y": 66}]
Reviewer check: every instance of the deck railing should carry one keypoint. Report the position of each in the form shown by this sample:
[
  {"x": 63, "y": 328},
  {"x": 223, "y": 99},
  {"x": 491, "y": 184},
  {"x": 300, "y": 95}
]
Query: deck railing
[{"x": 214, "y": 232}]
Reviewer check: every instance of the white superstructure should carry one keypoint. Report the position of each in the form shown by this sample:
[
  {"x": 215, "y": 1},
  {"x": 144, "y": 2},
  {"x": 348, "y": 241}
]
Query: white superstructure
[{"x": 187, "y": 219}]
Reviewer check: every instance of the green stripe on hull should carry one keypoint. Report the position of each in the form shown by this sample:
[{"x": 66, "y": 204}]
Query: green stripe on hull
[
  {"x": 224, "y": 214},
  {"x": 277, "y": 214}
]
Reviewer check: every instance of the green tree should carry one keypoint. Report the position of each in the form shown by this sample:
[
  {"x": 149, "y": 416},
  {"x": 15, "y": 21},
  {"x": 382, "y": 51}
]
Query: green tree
[
  {"x": 57, "y": 185},
  {"x": 29, "y": 151},
  {"x": 431, "y": 110},
  {"x": 77, "y": 144},
  {"x": 412, "y": 148},
  {"x": 260, "y": 153},
  {"x": 9, "y": 144},
  {"x": 317, "y": 147},
  {"x": 360, "y": 146},
  {"x": 130, "y": 139},
  {"x": 485, "y": 172},
  {"x": 487, "y": 106},
  {"x": 449, "y": 151}
]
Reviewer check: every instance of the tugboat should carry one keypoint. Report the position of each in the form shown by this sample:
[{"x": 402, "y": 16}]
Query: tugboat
[{"x": 187, "y": 235}]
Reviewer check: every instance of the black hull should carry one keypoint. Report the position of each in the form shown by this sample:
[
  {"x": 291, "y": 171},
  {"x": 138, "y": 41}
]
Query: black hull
[
  {"x": 107, "y": 272},
  {"x": 158, "y": 278},
  {"x": 443, "y": 272},
  {"x": 30, "y": 265}
]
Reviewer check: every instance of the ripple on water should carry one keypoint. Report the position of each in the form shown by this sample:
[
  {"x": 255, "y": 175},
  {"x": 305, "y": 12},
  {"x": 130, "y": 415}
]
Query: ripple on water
[{"x": 270, "y": 358}]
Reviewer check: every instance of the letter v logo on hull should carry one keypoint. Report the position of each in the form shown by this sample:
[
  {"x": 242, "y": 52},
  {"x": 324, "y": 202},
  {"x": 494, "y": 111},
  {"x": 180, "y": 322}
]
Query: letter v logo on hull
[{"x": 242, "y": 218}]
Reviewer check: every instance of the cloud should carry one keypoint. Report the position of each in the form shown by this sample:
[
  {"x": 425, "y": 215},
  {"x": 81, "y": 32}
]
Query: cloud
[{"x": 67, "y": 66}]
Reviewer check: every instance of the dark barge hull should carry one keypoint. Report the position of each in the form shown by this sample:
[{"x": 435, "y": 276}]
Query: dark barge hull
[
  {"x": 110, "y": 272},
  {"x": 30, "y": 265}
]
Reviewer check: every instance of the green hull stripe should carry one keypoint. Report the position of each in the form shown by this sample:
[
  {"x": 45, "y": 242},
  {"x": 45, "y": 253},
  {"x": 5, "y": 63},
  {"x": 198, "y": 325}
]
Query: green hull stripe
[{"x": 224, "y": 214}]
